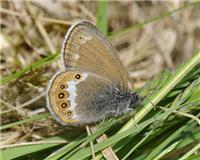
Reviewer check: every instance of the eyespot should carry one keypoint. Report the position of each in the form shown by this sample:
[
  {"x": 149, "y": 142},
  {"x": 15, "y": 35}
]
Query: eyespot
[
  {"x": 64, "y": 105},
  {"x": 69, "y": 113},
  {"x": 80, "y": 37},
  {"x": 77, "y": 76},
  {"x": 62, "y": 86},
  {"x": 61, "y": 95}
]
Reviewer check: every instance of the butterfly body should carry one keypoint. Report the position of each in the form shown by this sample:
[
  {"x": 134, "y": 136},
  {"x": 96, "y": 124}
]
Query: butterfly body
[{"x": 93, "y": 85}]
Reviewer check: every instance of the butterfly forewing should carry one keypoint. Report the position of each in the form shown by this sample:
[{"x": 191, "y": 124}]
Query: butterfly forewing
[{"x": 85, "y": 47}]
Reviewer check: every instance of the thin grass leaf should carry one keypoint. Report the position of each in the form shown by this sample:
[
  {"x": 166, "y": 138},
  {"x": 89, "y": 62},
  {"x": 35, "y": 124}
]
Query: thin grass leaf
[
  {"x": 27, "y": 120},
  {"x": 137, "y": 145},
  {"x": 15, "y": 152},
  {"x": 174, "y": 105},
  {"x": 155, "y": 151},
  {"x": 189, "y": 153},
  {"x": 179, "y": 74},
  {"x": 84, "y": 153},
  {"x": 102, "y": 16},
  {"x": 189, "y": 139},
  {"x": 194, "y": 157},
  {"x": 167, "y": 150},
  {"x": 64, "y": 150},
  {"x": 151, "y": 20},
  {"x": 40, "y": 63}
]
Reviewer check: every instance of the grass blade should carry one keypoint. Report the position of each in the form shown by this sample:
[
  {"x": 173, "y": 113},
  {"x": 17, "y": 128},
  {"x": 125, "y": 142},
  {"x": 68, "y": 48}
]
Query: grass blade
[
  {"x": 102, "y": 16},
  {"x": 38, "y": 64},
  {"x": 180, "y": 73}
]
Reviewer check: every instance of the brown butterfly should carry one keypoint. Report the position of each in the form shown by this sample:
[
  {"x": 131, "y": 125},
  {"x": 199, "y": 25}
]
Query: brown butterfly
[{"x": 94, "y": 84}]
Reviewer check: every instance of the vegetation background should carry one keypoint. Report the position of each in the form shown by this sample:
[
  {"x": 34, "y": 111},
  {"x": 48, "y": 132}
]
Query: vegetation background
[{"x": 152, "y": 38}]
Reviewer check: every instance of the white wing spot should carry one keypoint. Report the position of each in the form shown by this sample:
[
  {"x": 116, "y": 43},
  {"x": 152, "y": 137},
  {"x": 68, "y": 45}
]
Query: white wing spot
[
  {"x": 72, "y": 92},
  {"x": 76, "y": 56},
  {"x": 86, "y": 38}
]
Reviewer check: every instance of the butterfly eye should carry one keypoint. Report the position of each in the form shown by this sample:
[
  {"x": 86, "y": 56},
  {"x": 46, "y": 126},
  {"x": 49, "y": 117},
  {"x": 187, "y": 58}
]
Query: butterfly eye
[
  {"x": 61, "y": 95},
  {"x": 62, "y": 86},
  {"x": 80, "y": 37},
  {"x": 77, "y": 76}
]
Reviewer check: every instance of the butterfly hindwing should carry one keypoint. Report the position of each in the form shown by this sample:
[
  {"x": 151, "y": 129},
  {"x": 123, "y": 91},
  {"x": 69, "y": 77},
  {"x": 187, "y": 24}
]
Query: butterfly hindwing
[{"x": 78, "y": 97}]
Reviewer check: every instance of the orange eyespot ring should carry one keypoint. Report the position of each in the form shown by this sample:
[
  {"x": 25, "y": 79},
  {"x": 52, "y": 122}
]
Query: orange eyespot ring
[
  {"x": 77, "y": 76},
  {"x": 62, "y": 86},
  {"x": 64, "y": 105},
  {"x": 68, "y": 113},
  {"x": 61, "y": 95}
]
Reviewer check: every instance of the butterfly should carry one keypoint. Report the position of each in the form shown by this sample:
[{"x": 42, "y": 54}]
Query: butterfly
[{"x": 94, "y": 84}]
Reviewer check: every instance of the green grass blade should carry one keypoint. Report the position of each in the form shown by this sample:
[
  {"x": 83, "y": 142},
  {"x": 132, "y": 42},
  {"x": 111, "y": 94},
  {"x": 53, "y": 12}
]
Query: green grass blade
[
  {"x": 62, "y": 151},
  {"x": 189, "y": 139},
  {"x": 137, "y": 145},
  {"x": 151, "y": 20},
  {"x": 27, "y": 120},
  {"x": 160, "y": 147},
  {"x": 179, "y": 74},
  {"x": 193, "y": 157},
  {"x": 38, "y": 64},
  {"x": 102, "y": 16},
  {"x": 189, "y": 153},
  {"x": 15, "y": 152},
  {"x": 84, "y": 153},
  {"x": 168, "y": 149}
]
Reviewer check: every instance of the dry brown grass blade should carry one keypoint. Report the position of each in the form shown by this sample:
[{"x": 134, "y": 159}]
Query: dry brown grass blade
[
  {"x": 91, "y": 143},
  {"x": 42, "y": 30},
  {"x": 46, "y": 19},
  {"x": 108, "y": 152}
]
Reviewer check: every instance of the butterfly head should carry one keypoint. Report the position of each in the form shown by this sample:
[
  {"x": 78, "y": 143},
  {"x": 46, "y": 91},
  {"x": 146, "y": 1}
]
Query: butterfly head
[{"x": 135, "y": 99}]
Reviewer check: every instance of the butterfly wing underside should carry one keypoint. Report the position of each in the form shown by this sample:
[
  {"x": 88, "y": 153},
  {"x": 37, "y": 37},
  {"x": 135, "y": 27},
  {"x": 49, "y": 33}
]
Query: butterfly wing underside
[
  {"x": 86, "y": 47},
  {"x": 72, "y": 100}
]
